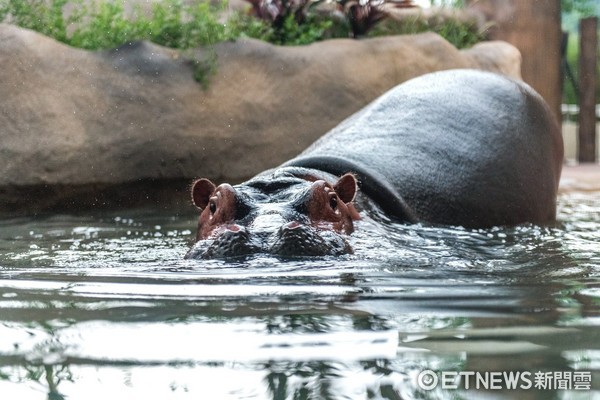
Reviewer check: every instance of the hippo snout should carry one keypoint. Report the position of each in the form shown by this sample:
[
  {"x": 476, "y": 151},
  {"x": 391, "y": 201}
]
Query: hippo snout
[
  {"x": 291, "y": 239},
  {"x": 229, "y": 243},
  {"x": 295, "y": 239}
]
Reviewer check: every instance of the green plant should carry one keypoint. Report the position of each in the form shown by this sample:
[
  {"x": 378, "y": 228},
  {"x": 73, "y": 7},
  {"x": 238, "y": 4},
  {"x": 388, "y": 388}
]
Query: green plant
[
  {"x": 407, "y": 26},
  {"x": 37, "y": 15},
  {"x": 242, "y": 24},
  {"x": 448, "y": 3},
  {"x": 170, "y": 24},
  {"x": 104, "y": 25},
  {"x": 204, "y": 68},
  {"x": 569, "y": 94},
  {"x": 571, "y": 13},
  {"x": 294, "y": 33},
  {"x": 297, "y": 22},
  {"x": 362, "y": 15},
  {"x": 583, "y": 7},
  {"x": 289, "y": 33},
  {"x": 287, "y": 22},
  {"x": 184, "y": 27},
  {"x": 461, "y": 34},
  {"x": 165, "y": 27}
]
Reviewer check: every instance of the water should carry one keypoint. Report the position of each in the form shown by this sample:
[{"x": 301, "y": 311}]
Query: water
[{"x": 104, "y": 305}]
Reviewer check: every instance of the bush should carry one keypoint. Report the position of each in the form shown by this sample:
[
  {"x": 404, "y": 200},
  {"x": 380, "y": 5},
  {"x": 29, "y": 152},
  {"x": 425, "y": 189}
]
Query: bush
[
  {"x": 462, "y": 34},
  {"x": 175, "y": 25},
  {"x": 104, "y": 24},
  {"x": 37, "y": 15}
]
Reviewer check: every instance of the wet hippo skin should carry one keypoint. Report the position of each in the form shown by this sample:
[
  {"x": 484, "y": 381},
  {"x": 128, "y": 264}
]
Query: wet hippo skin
[{"x": 459, "y": 147}]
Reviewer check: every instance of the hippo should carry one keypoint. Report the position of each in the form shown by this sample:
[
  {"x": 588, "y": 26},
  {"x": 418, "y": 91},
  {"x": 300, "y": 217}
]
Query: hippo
[{"x": 459, "y": 147}]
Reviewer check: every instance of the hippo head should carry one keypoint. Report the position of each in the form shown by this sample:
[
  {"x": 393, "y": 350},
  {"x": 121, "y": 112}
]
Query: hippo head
[{"x": 280, "y": 214}]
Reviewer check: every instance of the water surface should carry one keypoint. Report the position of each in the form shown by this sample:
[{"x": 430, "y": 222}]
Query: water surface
[{"x": 93, "y": 306}]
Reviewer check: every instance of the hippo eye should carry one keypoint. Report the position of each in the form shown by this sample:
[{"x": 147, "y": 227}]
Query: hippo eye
[
  {"x": 333, "y": 202},
  {"x": 212, "y": 207}
]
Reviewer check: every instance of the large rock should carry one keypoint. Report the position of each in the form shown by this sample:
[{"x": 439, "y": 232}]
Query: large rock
[{"x": 81, "y": 128}]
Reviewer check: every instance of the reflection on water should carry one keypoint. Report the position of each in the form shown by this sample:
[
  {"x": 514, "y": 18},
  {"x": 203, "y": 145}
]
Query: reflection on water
[{"x": 104, "y": 305}]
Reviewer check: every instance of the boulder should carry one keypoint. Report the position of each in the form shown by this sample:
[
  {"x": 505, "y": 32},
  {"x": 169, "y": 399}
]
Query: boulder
[{"x": 132, "y": 125}]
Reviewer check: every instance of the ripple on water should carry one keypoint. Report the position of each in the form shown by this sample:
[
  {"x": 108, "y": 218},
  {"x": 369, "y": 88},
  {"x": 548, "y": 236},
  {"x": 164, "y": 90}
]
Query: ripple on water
[{"x": 107, "y": 302}]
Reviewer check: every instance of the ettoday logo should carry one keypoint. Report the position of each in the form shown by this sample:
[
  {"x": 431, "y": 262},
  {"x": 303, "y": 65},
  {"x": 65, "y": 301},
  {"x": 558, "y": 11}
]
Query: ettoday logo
[{"x": 505, "y": 380}]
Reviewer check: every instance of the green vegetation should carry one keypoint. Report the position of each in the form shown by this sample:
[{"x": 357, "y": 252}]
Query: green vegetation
[
  {"x": 460, "y": 34},
  {"x": 105, "y": 24},
  {"x": 448, "y": 3},
  {"x": 289, "y": 33},
  {"x": 46, "y": 18},
  {"x": 569, "y": 95},
  {"x": 582, "y": 7},
  {"x": 206, "y": 68},
  {"x": 572, "y": 11}
]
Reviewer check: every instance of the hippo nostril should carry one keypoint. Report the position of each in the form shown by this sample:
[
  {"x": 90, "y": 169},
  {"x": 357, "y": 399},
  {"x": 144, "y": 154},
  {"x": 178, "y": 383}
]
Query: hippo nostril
[
  {"x": 292, "y": 225},
  {"x": 232, "y": 241},
  {"x": 296, "y": 239},
  {"x": 235, "y": 228}
]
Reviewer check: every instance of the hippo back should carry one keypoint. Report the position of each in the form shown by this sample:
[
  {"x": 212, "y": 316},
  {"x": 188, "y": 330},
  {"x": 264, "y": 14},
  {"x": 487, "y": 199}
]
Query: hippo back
[{"x": 460, "y": 147}]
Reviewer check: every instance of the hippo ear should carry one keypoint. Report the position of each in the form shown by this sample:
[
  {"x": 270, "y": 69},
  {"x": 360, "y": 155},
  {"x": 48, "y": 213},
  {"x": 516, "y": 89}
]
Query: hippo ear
[
  {"x": 346, "y": 188},
  {"x": 201, "y": 191}
]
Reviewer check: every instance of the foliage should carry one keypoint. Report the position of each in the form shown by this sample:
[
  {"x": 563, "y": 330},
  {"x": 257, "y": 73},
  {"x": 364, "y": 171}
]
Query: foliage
[
  {"x": 287, "y": 22},
  {"x": 406, "y": 27},
  {"x": 582, "y": 7},
  {"x": 300, "y": 18},
  {"x": 362, "y": 15},
  {"x": 37, "y": 15},
  {"x": 105, "y": 24},
  {"x": 448, "y": 3},
  {"x": 295, "y": 22},
  {"x": 171, "y": 24},
  {"x": 289, "y": 32},
  {"x": 569, "y": 95},
  {"x": 572, "y": 11},
  {"x": 460, "y": 34},
  {"x": 204, "y": 69},
  {"x": 108, "y": 18},
  {"x": 184, "y": 27},
  {"x": 292, "y": 32},
  {"x": 242, "y": 24}
]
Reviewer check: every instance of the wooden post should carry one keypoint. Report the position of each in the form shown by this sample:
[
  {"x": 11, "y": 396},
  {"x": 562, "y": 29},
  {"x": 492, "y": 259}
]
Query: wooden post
[
  {"x": 534, "y": 28},
  {"x": 588, "y": 47}
]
